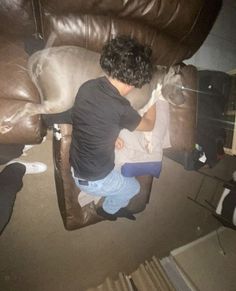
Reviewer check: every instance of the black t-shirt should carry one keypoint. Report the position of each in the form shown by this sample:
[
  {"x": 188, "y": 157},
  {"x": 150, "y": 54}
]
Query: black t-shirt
[{"x": 98, "y": 115}]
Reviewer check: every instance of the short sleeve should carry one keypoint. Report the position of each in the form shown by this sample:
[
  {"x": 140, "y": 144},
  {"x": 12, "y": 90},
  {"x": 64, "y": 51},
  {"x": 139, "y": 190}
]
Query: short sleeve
[{"x": 130, "y": 119}]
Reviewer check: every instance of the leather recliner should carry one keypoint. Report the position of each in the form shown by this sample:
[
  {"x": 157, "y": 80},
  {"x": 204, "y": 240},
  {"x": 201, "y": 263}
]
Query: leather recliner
[
  {"x": 174, "y": 29},
  {"x": 18, "y": 23}
]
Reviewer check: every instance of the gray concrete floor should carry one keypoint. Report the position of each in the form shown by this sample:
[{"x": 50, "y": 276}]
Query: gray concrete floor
[{"x": 38, "y": 254}]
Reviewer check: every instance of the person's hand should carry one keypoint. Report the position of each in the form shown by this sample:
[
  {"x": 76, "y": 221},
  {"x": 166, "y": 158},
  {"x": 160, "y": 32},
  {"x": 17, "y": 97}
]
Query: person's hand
[{"x": 119, "y": 144}]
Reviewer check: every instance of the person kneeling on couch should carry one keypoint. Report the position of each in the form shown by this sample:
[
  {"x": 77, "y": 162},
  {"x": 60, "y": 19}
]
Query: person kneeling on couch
[{"x": 99, "y": 113}]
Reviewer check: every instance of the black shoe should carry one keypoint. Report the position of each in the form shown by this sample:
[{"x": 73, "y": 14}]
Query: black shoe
[
  {"x": 124, "y": 212},
  {"x": 100, "y": 211}
]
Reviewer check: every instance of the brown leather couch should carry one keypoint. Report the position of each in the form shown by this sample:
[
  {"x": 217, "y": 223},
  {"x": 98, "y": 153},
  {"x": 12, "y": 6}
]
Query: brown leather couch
[
  {"x": 174, "y": 29},
  {"x": 18, "y": 23}
]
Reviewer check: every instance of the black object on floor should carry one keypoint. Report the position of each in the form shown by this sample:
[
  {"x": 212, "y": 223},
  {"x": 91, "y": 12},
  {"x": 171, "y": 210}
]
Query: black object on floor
[
  {"x": 105, "y": 215},
  {"x": 10, "y": 183},
  {"x": 123, "y": 212}
]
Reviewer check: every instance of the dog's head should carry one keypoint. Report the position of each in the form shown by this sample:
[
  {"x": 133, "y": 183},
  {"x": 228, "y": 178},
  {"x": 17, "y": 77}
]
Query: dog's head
[{"x": 172, "y": 86}]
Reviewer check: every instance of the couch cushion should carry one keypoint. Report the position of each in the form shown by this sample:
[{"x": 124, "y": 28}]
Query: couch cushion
[
  {"x": 15, "y": 82},
  {"x": 174, "y": 29},
  {"x": 75, "y": 30}
]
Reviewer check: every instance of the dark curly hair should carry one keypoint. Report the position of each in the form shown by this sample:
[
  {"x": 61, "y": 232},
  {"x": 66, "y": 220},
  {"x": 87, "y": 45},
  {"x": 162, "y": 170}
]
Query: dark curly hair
[{"x": 125, "y": 59}]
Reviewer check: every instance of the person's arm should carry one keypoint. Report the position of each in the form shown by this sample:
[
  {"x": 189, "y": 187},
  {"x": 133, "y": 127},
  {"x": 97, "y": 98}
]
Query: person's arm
[{"x": 148, "y": 120}]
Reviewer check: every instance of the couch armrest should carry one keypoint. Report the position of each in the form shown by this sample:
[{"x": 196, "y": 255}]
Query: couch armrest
[
  {"x": 16, "y": 89},
  {"x": 28, "y": 131},
  {"x": 183, "y": 118}
]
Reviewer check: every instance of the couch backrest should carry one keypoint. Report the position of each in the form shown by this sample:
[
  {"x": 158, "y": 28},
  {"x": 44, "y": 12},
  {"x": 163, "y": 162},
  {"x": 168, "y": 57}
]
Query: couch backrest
[
  {"x": 174, "y": 29},
  {"x": 18, "y": 17}
]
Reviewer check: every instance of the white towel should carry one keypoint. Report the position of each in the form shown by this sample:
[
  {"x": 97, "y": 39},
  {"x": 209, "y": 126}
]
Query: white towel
[{"x": 147, "y": 146}]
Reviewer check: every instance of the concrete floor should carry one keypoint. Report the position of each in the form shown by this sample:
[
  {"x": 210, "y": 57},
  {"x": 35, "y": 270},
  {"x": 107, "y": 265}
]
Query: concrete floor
[{"x": 38, "y": 254}]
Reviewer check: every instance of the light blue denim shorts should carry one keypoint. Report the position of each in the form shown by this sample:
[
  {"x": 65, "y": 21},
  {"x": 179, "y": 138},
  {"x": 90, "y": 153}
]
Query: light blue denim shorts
[{"x": 116, "y": 189}]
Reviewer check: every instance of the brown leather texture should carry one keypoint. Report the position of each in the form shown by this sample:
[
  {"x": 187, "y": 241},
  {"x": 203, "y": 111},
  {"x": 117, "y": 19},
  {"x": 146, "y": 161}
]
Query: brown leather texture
[
  {"x": 17, "y": 17},
  {"x": 174, "y": 29},
  {"x": 15, "y": 81},
  {"x": 17, "y": 89},
  {"x": 183, "y": 117},
  {"x": 29, "y": 130},
  {"x": 73, "y": 215}
]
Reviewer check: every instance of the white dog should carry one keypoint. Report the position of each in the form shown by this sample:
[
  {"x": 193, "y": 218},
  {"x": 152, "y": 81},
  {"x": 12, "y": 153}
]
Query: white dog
[{"x": 58, "y": 72}]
